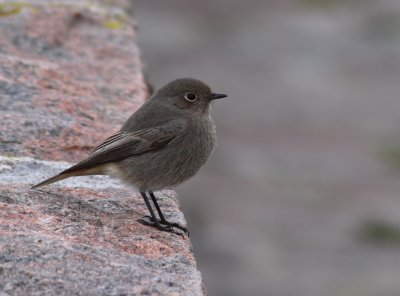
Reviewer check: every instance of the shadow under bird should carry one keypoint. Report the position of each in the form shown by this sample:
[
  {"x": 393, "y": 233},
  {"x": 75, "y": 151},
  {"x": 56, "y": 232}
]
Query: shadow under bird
[{"x": 162, "y": 144}]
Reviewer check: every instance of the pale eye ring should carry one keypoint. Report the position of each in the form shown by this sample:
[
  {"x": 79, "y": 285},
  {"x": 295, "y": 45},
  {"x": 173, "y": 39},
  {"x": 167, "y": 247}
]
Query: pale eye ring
[{"x": 191, "y": 97}]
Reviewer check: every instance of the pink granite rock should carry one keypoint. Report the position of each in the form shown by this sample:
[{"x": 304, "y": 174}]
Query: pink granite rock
[{"x": 70, "y": 74}]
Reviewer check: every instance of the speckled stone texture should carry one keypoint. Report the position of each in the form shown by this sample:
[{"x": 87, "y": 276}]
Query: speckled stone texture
[{"x": 70, "y": 74}]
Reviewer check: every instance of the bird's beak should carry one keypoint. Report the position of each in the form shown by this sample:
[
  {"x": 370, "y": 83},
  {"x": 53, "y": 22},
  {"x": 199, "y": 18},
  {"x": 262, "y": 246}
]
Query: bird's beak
[{"x": 218, "y": 96}]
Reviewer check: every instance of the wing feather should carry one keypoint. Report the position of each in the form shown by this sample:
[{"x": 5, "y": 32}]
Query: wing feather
[{"x": 124, "y": 144}]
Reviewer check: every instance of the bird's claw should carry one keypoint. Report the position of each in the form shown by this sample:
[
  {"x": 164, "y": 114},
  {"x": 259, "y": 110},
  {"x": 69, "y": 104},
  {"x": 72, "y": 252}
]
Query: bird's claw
[{"x": 163, "y": 225}]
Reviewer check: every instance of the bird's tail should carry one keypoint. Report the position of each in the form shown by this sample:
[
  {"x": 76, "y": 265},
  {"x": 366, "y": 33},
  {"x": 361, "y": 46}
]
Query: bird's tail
[
  {"x": 71, "y": 172},
  {"x": 56, "y": 178}
]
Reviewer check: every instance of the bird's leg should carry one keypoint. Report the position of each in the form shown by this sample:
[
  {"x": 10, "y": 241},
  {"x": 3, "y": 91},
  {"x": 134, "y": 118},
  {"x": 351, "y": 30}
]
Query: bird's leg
[
  {"x": 154, "y": 221},
  {"x": 146, "y": 200},
  {"x": 162, "y": 218}
]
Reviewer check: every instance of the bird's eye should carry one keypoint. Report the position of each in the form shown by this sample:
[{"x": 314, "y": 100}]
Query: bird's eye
[{"x": 191, "y": 97}]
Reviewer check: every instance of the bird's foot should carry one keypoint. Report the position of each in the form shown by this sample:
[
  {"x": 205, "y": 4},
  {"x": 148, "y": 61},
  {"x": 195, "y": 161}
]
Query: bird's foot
[{"x": 163, "y": 225}]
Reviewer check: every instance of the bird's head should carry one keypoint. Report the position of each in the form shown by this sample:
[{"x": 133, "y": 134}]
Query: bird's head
[{"x": 188, "y": 94}]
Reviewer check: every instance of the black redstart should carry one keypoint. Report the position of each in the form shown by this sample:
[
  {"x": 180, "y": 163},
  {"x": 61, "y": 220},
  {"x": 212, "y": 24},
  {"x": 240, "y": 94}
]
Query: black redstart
[{"x": 162, "y": 144}]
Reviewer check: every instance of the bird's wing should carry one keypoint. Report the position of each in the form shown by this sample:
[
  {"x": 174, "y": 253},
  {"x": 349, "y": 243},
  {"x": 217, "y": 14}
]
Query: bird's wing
[{"x": 124, "y": 144}]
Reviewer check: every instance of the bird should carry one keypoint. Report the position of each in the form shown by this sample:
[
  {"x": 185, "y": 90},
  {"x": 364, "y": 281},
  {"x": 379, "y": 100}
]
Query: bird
[{"x": 164, "y": 143}]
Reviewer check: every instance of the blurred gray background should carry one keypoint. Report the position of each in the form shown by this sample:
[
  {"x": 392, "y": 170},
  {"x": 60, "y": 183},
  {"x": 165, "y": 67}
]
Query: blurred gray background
[{"x": 302, "y": 195}]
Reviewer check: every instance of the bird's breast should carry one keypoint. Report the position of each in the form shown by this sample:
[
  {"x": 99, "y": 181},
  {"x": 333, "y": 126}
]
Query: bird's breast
[{"x": 191, "y": 150}]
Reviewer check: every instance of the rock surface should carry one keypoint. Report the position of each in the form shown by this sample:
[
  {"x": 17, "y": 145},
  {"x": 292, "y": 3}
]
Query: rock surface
[{"x": 70, "y": 74}]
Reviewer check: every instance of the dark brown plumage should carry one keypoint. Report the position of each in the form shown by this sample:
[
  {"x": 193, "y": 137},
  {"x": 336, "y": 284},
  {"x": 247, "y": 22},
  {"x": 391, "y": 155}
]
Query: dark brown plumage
[{"x": 161, "y": 145}]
